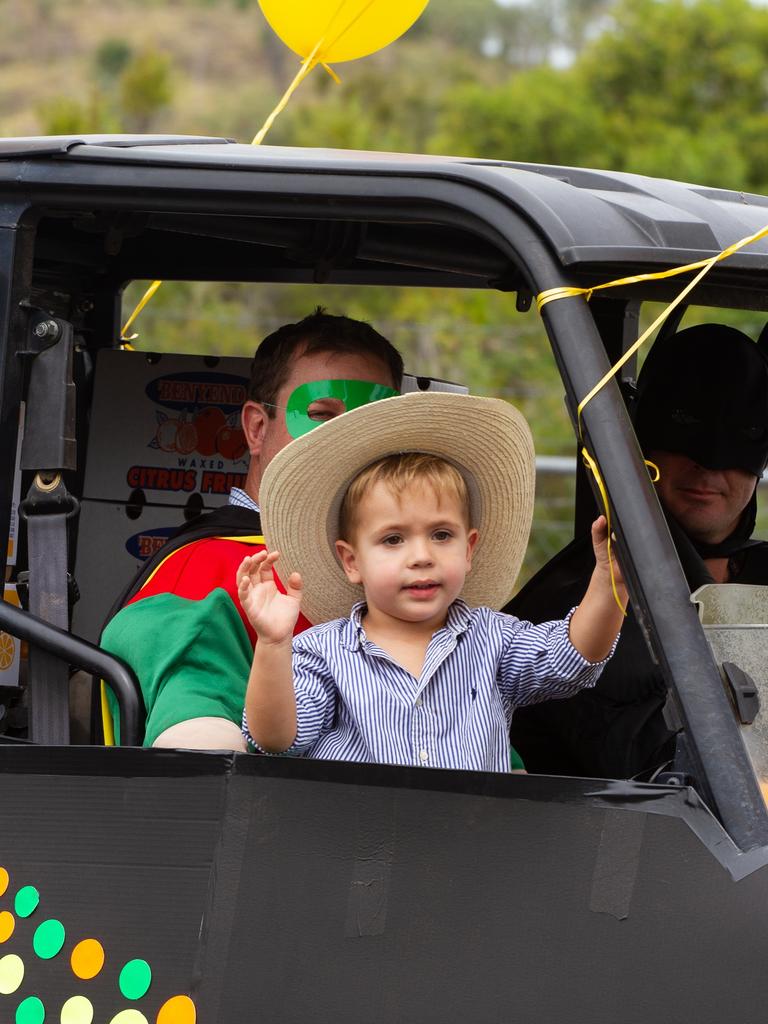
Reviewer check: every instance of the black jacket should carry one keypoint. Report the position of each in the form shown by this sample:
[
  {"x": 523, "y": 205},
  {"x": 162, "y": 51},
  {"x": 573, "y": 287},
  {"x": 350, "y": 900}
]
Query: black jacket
[{"x": 616, "y": 730}]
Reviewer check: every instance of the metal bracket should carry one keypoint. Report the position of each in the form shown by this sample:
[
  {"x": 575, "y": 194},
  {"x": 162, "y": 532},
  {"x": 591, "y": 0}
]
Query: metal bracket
[
  {"x": 672, "y": 779},
  {"x": 744, "y": 692}
]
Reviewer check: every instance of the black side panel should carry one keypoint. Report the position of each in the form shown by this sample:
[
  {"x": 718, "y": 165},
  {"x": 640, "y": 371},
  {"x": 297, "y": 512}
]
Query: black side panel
[
  {"x": 316, "y": 893},
  {"x": 388, "y": 904}
]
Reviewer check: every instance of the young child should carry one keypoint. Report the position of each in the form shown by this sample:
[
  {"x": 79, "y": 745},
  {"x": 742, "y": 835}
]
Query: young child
[{"x": 413, "y": 675}]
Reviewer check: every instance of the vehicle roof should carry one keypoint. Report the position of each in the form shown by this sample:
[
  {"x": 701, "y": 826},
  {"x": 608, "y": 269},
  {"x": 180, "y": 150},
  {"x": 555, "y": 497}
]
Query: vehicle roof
[{"x": 587, "y": 215}]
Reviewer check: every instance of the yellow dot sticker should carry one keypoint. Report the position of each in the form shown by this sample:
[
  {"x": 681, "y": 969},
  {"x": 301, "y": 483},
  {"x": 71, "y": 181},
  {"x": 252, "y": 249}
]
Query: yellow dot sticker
[
  {"x": 129, "y": 1017},
  {"x": 87, "y": 959},
  {"x": 7, "y": 924},
  {"x": 77, "y": 1010},
  {"x": 11, "y": 973},
  {"x": 4, "y": 879},
  {"x": 178, "y": 1010}
]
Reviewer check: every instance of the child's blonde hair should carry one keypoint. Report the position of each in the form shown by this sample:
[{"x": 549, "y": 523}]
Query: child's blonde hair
[{"x": 398, "y": 472}]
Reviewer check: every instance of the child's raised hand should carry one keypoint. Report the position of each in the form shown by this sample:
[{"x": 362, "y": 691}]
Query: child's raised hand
[
  {"x": 600, "y": 547},
  {"x": 273, "y": 615}
]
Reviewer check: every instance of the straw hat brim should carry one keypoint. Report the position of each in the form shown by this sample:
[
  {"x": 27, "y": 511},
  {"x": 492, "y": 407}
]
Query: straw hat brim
[{"x": 488, "y": 441}]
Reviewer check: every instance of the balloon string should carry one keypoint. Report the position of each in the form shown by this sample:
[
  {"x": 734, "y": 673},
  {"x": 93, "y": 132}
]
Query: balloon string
[
  {"x": 144, "y": 300},
  {"x": 306, "y": 67},
  {"x": 331, "y": 72}
]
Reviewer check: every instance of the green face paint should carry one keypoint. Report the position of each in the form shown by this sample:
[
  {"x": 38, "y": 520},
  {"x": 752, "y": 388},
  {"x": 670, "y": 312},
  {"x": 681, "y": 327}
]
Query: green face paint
[{"x": 299, "y": 415}]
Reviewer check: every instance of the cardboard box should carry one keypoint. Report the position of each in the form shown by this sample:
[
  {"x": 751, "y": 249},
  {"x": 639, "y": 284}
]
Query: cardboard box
[{"x": 167, "y": 425}]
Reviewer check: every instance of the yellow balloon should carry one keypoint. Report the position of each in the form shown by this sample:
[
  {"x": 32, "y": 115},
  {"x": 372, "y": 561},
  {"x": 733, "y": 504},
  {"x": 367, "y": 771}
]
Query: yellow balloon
[{"x": 345, "y": 29}]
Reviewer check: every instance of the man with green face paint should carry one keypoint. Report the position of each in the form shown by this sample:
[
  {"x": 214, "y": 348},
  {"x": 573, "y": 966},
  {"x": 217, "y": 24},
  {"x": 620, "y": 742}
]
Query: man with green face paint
[{"x": 302, "y": 375}]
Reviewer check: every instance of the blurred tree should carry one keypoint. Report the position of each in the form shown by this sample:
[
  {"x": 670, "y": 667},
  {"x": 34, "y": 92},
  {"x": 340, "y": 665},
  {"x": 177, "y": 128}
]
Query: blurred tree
[
  {"x": 537, "y": 116},
  {"x": 673, "y": 88},
  {"x": 683, "y": 85},
  {"x": 111, "y": 57},
  {"x": 67, "y": 116},
  {"x": 386, "y": 102},
  {"x": 465, "y": 24},
  {"x": 145, "y": 89}
]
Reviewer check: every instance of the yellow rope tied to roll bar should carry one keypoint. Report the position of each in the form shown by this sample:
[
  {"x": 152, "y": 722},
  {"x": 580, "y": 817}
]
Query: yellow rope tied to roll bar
[
  {"x": 553, "y": 294},
  {"x": 703, "y": 266}
]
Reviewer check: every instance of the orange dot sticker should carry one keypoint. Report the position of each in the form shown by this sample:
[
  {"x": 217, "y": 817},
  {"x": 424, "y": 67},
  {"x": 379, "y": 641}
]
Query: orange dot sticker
[
  {"x": 7, "y": 924},
  {"x": 4, "y": 879},
  {"x": 87, "y": 959},
  {"x": 178, "y": 1010}
]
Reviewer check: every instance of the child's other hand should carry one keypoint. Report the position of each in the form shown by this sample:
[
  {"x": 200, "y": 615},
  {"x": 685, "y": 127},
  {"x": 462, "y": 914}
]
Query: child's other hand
[
  {"x": 600, "y": 547},
  {"x": 273, "y": 615}
]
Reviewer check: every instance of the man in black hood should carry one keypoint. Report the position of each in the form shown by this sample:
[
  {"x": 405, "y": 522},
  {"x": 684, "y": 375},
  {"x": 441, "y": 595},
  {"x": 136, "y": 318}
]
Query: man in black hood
[{"x": 701, "y": 416}]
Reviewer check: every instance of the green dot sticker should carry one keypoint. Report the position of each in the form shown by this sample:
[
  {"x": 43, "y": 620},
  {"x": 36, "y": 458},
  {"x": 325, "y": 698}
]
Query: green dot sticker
[
  {"x": 31, "y": 1011},
  {"x": 135, "y": 979},
  {"x": 48, "y": 939},
  {"x": 26, "y": 901}
]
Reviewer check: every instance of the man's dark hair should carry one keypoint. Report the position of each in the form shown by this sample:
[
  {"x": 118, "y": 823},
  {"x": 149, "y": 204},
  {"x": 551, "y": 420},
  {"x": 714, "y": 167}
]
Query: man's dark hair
[{"x": 318, "y": 332}]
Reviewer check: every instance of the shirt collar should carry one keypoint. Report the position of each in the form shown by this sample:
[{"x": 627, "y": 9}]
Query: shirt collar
[
  {"x": 459, "y": 618},
  {"x": 237, "y": 496},
  {"x": 353, "y": 634},
  {"x": 458, "y": 621}
]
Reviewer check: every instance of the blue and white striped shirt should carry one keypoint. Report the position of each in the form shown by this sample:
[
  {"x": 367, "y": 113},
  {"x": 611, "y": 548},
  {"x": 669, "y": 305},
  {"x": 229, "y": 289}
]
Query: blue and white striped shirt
[
  {"x": 354, "y": 703},
  {"x": 237, "y": 496}
]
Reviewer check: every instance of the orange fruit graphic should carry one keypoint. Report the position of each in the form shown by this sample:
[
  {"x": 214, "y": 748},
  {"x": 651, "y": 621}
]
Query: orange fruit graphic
[
  {"x": 230, "y": 442},
  {"x": 186, "y": 438},
  {"x": 7, "y": 651},
  {"x": 166, "y": 435},
  {"x": 208, "y": 423}
]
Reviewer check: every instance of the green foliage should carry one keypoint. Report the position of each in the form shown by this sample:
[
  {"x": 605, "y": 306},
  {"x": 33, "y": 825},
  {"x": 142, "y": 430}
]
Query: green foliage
[
  {"x": 465, "y": 24},
  {"x": 145, "y": 88},
  {"x": 378, "y": 105},
  {"x": 67, "y": 116},
  {"x": 672, "y": 88},
  {"x": 111, "y": 58},
  {"x": 537, "y": 116}
]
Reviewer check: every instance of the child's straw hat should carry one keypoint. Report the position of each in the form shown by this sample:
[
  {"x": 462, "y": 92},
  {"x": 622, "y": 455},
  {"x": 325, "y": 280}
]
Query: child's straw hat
[{"x": 487, "y": 440}]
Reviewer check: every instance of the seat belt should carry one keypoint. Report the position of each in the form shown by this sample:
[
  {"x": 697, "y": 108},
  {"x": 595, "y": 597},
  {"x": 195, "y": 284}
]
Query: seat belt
[{"x": 49, "y": 448}]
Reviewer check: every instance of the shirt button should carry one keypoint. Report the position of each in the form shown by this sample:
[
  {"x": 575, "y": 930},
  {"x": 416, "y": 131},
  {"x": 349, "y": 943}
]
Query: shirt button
[
  {"x": 423, "y": 756},
  {"x": 419, "y": 702}
]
